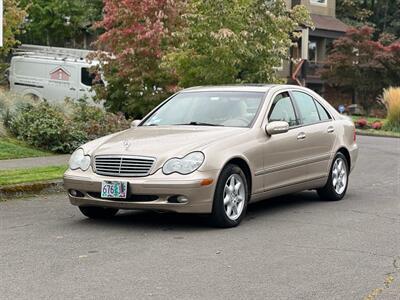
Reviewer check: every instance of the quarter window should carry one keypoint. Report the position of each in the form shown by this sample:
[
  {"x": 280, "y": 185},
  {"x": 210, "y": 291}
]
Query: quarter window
[
  {"x": 282, "y": 110},
  {"x": 323, "y": 114},
  {"x": 307, "y": 108}
]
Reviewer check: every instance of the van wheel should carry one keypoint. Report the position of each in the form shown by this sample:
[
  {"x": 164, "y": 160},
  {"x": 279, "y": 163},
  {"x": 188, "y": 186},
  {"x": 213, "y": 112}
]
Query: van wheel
[
  {"x": 94, "y": 212},
  {"x": 32, "y": 97},
  {"x": 231, "y": 197},
  {"x": 336, "y": 187}
]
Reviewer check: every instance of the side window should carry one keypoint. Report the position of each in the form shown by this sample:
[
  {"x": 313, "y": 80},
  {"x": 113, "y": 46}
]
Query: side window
[
  {"x": 308, "y": 109},
  {"x": 323, "y": 114},
  {"x": 282, "y": 110},
  {"x": 87, "y": 78}
]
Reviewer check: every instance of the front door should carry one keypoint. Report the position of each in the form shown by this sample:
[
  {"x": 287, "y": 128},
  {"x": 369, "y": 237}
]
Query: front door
[{"x": 284, "y": 154}]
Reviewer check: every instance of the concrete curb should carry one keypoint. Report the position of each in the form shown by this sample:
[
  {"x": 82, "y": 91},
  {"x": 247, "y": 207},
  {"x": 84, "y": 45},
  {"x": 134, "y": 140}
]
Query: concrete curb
[
  {"x": 21, "y": 190},
  {"x": 359, "y": 132}
]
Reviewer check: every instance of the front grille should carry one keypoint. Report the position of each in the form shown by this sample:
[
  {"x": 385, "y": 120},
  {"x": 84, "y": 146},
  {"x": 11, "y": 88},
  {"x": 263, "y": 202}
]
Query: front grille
[{"x": 123, "y": 166}]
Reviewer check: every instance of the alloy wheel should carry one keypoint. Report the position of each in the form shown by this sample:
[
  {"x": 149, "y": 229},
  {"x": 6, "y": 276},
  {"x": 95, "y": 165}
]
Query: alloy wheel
[
  {"x": 339, "y": 175},
  {"x": 234, "y": 197}
]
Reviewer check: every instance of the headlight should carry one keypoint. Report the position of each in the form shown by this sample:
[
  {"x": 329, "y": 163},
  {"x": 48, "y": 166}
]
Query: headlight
[
  {"x": 79, "y": 160},
  {"x": 185, "y": 165}
]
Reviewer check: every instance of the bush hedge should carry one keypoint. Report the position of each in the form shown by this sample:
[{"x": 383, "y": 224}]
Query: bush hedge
[{"x": 62, "y": 128}]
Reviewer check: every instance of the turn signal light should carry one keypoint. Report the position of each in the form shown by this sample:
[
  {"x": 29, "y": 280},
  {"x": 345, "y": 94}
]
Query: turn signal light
[{"x": 206, "y": 181}]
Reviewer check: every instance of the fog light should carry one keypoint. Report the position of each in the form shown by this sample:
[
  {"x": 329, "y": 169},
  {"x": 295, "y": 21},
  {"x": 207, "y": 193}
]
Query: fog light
[
  {"x": 182, "y": 199},
  {"x": 75, "y": 193}
]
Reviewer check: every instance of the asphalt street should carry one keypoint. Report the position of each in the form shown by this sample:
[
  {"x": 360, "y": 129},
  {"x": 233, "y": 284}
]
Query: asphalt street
[{"x": 294, "y": 247}]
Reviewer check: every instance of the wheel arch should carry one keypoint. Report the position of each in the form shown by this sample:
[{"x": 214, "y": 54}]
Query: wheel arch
[
  {"x": 32, "y": 93},
  {"x": 244, "y": 165},
  {"x": 346, "y": 153}
]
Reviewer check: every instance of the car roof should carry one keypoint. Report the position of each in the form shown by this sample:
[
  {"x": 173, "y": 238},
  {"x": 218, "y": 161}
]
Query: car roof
[{"x": 263, "y": 88}]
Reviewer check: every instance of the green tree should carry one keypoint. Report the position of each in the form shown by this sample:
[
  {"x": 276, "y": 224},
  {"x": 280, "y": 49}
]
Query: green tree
[
  {"x": 235, "y": 41},
  {"x": 383, "y": 15},
  {"x": 53, "y": 22},
  {"x": 13, "y": 18}
]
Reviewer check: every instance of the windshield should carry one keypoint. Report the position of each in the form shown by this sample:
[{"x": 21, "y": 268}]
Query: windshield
[{"x": 231, "y": 109}]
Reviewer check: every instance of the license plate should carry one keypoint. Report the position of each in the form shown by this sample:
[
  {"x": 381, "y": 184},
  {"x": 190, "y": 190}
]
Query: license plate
[{"x": 114, "y": 189}]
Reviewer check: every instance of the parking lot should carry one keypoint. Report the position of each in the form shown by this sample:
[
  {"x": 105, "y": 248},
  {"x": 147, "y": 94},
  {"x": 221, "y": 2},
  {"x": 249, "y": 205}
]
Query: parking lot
[{"x": 294, "y": 247}]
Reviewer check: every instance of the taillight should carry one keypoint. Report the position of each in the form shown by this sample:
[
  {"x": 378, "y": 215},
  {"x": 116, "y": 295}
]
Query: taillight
[{"x": 354, "y": 135}]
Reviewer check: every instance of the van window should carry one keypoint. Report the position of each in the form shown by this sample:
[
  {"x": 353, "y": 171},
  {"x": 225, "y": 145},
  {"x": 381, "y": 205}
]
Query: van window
[
  {"x": 30, "y": 69},
  {"x": 87, "y": 78}
]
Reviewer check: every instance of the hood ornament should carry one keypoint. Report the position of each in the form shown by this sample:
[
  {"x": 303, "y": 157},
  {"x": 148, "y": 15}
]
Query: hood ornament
[{"x": 127, "y": 144}]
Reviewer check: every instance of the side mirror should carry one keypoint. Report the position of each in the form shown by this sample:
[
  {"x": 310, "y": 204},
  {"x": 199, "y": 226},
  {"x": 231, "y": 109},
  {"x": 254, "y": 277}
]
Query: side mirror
[
  {"x": 276, "y": 127},
  {"x": 135, "y": 123}
]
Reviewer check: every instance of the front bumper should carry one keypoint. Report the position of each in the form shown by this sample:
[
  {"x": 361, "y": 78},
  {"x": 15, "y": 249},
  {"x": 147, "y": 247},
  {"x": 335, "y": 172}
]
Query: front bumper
[{"x": 152, "y": 192}]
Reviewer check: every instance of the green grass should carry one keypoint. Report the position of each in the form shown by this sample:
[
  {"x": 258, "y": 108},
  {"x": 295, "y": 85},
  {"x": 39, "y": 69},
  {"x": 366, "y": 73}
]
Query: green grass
[
  {"x": 369, "y": 119},
  {"x": 11, "y": 148},
  {"x": 16, "y": 176}
]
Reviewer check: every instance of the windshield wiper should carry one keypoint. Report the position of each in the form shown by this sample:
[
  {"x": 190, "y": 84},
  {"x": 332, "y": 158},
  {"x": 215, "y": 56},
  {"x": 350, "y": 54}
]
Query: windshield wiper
[{"x": 200, "y": 124}]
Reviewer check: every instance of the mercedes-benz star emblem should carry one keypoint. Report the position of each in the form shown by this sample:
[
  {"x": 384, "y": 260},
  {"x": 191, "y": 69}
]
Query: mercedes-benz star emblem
[{"x": 127, "y": 144}]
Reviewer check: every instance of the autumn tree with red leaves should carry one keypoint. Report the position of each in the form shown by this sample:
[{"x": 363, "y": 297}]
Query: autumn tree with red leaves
[
  {"x": 137, "y": 34},
  {"x": 365, "y": 65}
]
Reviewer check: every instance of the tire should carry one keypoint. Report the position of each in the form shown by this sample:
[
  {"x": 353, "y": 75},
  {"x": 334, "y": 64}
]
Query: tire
[
  {"x": 335, "y": 188},
  {"x": 94, "y": 212},
  {"x": 231, "y": 186}
]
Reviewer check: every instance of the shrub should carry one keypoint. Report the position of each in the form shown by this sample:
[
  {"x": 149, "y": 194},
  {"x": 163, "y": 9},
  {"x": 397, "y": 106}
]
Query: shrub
[
  {"x": 9, "y": 102},
  {"x": 44, "y": 126},
  {"x": 361, "y": 123},
  {"x": 391, "y": 99},
  {"x": 95, "y": 122},
  {"x": 377, "y": 125},
  {"x": 62, "y": 128}
]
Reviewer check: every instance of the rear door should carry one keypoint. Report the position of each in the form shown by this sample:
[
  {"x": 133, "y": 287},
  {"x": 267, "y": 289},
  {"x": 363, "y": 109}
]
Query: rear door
[{"x": 318, "y": 133}]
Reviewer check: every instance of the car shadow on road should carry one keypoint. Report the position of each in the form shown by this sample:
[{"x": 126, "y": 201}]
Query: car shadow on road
[{"x": 173, "y": 221}]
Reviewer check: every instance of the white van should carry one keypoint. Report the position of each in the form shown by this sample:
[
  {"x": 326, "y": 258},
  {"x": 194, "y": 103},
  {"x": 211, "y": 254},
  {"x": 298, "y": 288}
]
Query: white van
[{"x": 51, "y": 73}]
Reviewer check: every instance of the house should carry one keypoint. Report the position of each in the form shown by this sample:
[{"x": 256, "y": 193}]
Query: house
[{"x": 327, "y": 28}]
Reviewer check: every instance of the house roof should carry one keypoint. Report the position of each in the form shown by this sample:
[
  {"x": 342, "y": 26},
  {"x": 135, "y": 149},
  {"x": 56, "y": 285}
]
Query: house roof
[{"x": 328, "y": 23}]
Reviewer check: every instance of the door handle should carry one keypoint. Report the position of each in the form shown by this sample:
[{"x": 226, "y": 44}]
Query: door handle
[
  {"x": 331, "y": 129},
  {"x": 72, "y": 89},
  {"x": 81, "y": 90},
  {"x": 301, "y": 136}
]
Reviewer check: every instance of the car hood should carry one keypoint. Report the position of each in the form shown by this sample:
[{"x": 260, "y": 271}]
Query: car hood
[{"x": 161, "y": 142}]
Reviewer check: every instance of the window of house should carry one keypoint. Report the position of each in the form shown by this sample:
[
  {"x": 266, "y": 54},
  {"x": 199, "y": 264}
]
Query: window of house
[
  {"x": 282, "y": 110},
  {"x": 319, "y": 2},
  {"x": 312, "y": 51}
]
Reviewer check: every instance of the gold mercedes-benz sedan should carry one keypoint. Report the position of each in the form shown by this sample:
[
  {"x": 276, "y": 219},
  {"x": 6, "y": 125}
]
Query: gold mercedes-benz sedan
[{"x": 215, "y": 149}]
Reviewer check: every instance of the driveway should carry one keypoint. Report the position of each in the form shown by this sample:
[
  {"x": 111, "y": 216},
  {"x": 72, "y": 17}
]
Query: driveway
[{"x": 294, "y": 247}]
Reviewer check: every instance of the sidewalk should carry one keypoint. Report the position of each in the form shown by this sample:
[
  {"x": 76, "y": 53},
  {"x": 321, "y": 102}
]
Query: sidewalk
[{"x": 34, "y": 162}]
